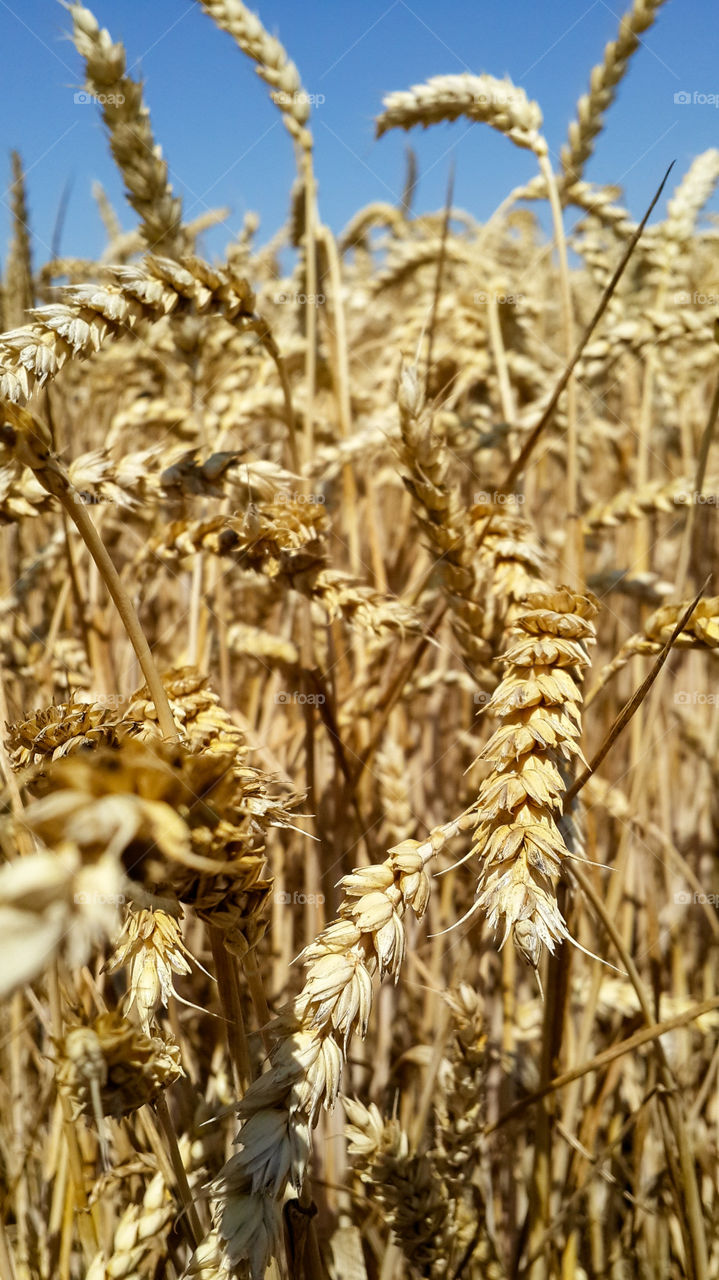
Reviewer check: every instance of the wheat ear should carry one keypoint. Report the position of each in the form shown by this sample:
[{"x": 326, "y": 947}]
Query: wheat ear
[
  {"x": 602, "y": 87},
  {"x": 133, "y": 146},
  {"x": 497, "y": 103},
  {"x": 88, "y": 314},
  {"x": 273, "y": 64},
  {"x": 441, "y": 515},
  {"x": 280, "y": 1109},
  {"x": 517, "y": 841}
]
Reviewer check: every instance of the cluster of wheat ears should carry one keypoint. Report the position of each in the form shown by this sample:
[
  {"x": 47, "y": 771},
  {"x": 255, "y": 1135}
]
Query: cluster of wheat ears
[{"x": 362, "y": 618}]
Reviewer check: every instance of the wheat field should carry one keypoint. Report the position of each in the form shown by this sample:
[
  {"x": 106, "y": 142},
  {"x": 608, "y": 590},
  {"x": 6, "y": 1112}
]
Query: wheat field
[{"x": 360, "y": 753}]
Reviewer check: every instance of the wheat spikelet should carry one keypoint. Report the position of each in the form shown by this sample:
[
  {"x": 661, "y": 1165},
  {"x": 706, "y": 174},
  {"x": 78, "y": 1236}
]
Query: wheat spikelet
[
  {"x": 209, "y": 1261},
  {"x": 599, "y": 203},
  {"x": 111, "y": 1060},
  {"x": 432, "y": 1198},
  {"x": 284, "y": 543},
  {"x": 690, "y": 196},
  {"x": 139, "y": 1237},
  {"x": 498, "y": 103},
  {"x": 460, "y": 1108},
  {"x": 394, "y": 792},
  {"x": 56, "y": 731},
  {"x": 151, "y": 944},
  {"x": 603, "y": 85},
  {"x": 514, "y": 564},
  {"x": 131, "y": 138},
  {"x": 518, "y": 844},
  {"x": 51, "y": 901},
  {"x": 701, "y": 630}
]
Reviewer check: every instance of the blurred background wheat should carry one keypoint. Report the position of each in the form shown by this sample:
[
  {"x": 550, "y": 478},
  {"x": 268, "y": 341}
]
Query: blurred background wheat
[{"x": 356, "y": 605}]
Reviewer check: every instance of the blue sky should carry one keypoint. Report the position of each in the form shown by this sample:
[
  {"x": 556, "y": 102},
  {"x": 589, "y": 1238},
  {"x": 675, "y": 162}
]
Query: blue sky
[{"x": 225, "y": 143}]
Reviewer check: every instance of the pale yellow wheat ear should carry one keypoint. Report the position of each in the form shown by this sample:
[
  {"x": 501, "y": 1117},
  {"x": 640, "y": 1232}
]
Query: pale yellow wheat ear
[
  {"x": 273, "y": 64},
  {"x": 405, "y": 1185},
  {"x": 85, "y": 316},
  {"x": 133, "y": 146},
  {"x": 497, "y": 103},
  {"x": 701, "y": 631},
  {"x": 431, "y": 1196},
  {"x": 312, "y": 1041},
  {"x": 603, "y": 83},
  {"x": 518, "y": 842}
]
